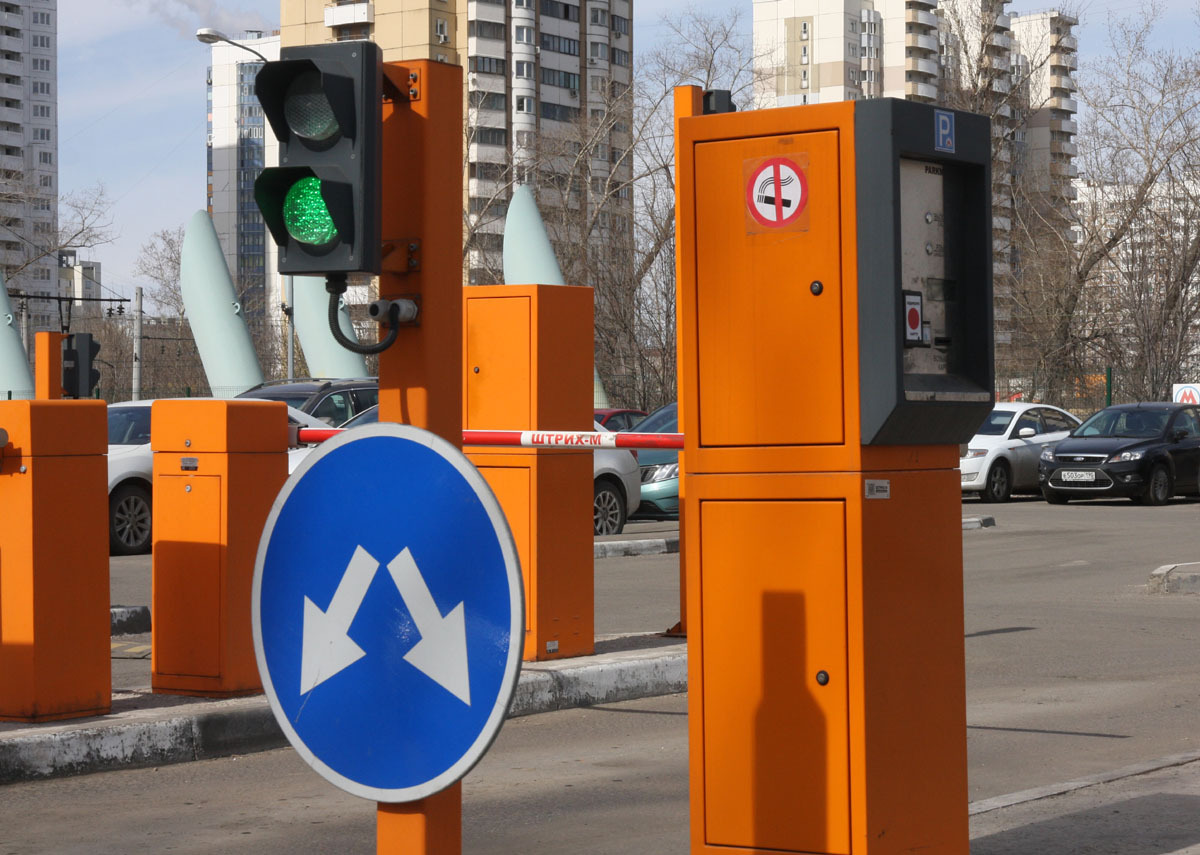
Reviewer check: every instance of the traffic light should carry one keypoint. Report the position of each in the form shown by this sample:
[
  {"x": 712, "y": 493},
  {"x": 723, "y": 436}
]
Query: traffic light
[
  {"x": 79, "y": 378},
  {"x": 322, "y": 203}
]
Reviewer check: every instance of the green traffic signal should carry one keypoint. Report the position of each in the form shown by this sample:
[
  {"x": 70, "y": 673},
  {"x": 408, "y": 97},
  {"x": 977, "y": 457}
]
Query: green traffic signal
[{"x": 305, "y": 214}]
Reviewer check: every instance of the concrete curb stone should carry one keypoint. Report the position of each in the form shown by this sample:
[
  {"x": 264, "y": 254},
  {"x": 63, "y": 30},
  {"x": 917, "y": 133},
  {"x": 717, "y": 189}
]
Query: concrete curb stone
[
  {"x": 129, "y": 620},
  {"x": 1175, "y": 579}
]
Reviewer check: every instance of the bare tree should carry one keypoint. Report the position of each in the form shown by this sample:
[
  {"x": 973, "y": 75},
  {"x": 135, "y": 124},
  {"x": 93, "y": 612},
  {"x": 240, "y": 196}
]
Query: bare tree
[
  {"x": 159, "y": 263},
  {"x": 84, "y": 222},
  {"x": 1118, "y": 288}
]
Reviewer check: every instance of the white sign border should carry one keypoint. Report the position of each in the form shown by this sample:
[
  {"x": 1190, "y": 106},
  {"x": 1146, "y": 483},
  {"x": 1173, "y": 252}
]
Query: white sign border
[{"x": 512, "y": 667}]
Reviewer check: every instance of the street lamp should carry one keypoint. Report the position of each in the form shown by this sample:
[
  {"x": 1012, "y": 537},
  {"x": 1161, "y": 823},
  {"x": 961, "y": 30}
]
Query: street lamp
[{"x": 210, "y": 37}]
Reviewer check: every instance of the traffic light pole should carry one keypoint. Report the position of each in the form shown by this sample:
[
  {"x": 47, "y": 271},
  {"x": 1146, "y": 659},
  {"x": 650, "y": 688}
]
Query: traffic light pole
[{"x": 420, "y": 376}]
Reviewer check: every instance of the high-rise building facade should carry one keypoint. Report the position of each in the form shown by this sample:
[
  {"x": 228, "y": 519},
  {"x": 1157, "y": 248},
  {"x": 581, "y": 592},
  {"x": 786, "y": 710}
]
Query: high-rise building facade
[
  {"x": 239, "y": 145},
  {"x": 29, "y": 158}
]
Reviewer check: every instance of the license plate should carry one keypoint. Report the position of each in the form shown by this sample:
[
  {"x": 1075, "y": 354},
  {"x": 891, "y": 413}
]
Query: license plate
[{"x": 1085, "y": 475}]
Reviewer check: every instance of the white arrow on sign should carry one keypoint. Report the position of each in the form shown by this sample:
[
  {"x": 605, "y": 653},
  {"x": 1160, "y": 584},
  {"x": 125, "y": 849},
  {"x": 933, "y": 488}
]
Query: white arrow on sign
[
  {"x": 441, "y": 654},
  {"x": 327, "y": 647}
]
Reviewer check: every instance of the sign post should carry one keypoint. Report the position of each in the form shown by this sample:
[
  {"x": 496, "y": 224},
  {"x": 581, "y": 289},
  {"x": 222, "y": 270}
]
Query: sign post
[{"x": 388, "y": 615}]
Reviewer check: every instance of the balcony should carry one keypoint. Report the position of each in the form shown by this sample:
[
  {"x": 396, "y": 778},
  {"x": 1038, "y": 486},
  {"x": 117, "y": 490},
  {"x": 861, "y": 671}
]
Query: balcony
[
  {"x": 1065, "y": 125},
  {"x": 915, "y": 90},
  {"x": 13, "y": 163},
  {"x": 921, "y": 65},
  {"x": 1001, "y": 85},
  {"x": 1001, "y": 224},
  {"x": 1058, "y": 147},
  {"x": 1057, "y": 102},
  {"x": 1067, "y": 43},
  {"x": 9, "y": 43},
  {"x": 1068, "y": 61},
  {"x": 1000, "y": 40},
  {"x": 349, "y": 13},
  {"x": 922, "y": 41},
  {"x": 1001, "y": 268},
  {"x": 1062, "y": 169},
  {"x": 1003, "y": 22},
  {"x": 1004, "y": 110},
  {"x": 12, "y": 138},
  {"x": 12, "y": 66},
  {"x": 12, "y": 114},
  {"x": 920, "y": 16},
  {"x": 1067, "y": 191},
  {"x": 1061, "y": 81},
  {"x": 997, "y": 63},
  {"x": 1001, "y": 202},
  {"x": 1003, "y": 155}
]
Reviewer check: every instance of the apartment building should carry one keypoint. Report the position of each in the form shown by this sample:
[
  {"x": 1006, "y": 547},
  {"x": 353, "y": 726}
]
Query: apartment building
[
  {"x": 29, "y": 159},
  {"x": 239, "y": 145}
]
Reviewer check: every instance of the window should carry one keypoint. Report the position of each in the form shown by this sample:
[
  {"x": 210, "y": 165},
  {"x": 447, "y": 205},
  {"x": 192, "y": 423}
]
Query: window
[
  {"x": 560, "y": 44},
  {"x": 487, "y": 171},
  {"x": 525, "y": 139},
  {"x": 565, "y": 79},
  {"x": 524, "y": 104},
  {"x": 600, "y": 17},
  {"x": 41, "y": 134},
  {"x": 46, "y": 181},
  {"x": 523, "y": 4},
  {"x": 1027, "y": 420},
  {"x": 46, "y": 157},
  {"x": 598, "y": 50},
  {"x": 41, "y": 111},
  {"x": 524, "y": 35},
  {"x": 1056, "y": 421},
  {"x": 491, "y": 136},
  {"x": 559, "y": 112},
  {"x": 486, "y": 29},
  {"x": 804, "y": 29},
  {"x": 486, "y": 64},
  {"x": 563, "y": 11},
  {"x": 41, "y": 41},
  {"x": 804, "y": 54},
  {"x": 620, "y": 57},
  {"x": 41, "y": 17},
  {"x": 41, "y": 64},
  {"x": 620, "y": 25},
  {"x": 439, "y": 29},
  {"x": 488, "y": 100},
  {"x": 523, "y": 69},
  {"x": 853, "y": 26}
]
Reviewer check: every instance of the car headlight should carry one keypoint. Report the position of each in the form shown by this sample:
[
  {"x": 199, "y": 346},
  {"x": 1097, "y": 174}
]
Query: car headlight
[
  {"x": 664, "y": 472},
  {"x": 974, "y": 452},
  {"x": 1048, "y": 455},
  {"x": 1126, "y": 455}
]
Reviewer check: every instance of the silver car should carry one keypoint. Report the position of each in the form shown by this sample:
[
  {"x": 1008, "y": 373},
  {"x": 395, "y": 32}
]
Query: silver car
[{"x": 1002, "y": 457}]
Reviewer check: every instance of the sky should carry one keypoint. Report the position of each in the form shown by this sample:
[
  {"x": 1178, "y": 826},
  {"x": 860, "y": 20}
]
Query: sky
[{"x": 132, "y": 111}]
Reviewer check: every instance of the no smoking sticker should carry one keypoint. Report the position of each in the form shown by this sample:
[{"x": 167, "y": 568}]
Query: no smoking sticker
[{"x": 776, "y": 194}]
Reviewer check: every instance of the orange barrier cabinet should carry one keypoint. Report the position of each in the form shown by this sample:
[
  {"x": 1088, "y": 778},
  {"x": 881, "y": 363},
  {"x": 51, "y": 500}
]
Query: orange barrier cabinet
[
  {"x": 834, "y": 294},
  {"x": 218, "y": 466},
  {"x": 527, "y": 359},
  {"x": 54, "y": 596}
]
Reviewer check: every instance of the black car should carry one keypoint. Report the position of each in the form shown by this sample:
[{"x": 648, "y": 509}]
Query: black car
[
  {"x": 1145, "y": 452},
  {"x": 331, "y": 401}
]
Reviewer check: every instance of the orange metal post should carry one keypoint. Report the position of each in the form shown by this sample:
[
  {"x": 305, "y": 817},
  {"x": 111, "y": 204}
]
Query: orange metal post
[
  {"x": 420, "y": 376},
  {"x": 826, "y": 679},
  {"x": 54, "y": 597},
  {"x": 527, "y": 361},
  {"x": 47, "y": 360},
  {"x": 218, "y": 466},
  {"x": 689, "y": 101}
]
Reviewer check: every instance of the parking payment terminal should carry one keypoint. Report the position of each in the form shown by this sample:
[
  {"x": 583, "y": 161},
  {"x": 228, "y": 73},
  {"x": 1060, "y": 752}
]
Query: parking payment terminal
[{"x": 835, "y": 346}]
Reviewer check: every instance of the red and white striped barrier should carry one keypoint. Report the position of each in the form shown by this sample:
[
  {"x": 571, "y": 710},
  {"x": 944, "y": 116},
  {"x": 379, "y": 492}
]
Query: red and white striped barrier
[{"x": 538, "y": 438}]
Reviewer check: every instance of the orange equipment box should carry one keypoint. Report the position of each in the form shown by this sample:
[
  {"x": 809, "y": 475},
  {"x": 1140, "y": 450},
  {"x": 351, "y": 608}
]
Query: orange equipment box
[
  {"x": 218, "y": 466},
  {"x": 54, "y": 596},
  {"x": 527, "y": 365},
  {"x": 834, "y": 298}
]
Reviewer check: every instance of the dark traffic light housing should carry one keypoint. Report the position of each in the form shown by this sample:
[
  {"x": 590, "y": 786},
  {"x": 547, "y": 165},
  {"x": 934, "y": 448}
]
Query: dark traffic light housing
[
  {"x": 79, "y": 378},
  {"x": 322, "y": 203}
]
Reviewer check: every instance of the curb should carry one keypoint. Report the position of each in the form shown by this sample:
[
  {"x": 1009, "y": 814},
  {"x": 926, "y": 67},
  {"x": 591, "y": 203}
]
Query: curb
[
  {"x": 1038, "y": 793},
  {"x": 1165, "y": 579},
  {"x": 129, "y": 620},
  {"x": 622, "y": 548},
  {"x": 204, "y": 730},
  {"x": 978, "y": 522}
]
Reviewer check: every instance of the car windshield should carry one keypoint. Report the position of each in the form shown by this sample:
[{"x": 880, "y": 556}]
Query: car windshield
[
  {"x": 1125, "y": 423},
  {"x": 366, "y": 417},
  {"x": 664, "y": 420},
  {"x": 996, "y": 423},
  {"x": 128, "y": 425}
]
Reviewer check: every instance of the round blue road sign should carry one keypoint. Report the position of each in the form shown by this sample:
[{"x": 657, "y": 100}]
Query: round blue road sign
[{"x": 388, "y": 612}]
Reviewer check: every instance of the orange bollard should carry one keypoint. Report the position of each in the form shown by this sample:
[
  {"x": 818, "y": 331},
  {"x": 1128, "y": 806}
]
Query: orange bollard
[
  {"x": 527, "y": 358},
  {"x": 430, "y": 825},
  {"x": 218, "y": 466},
  {"x": 47, "y": 362},
  {"x": 54, "y": 596}
]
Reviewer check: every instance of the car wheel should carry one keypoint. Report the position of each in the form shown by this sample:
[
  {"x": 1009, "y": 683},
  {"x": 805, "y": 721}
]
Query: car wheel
[
  {"x": 997, "y": 487},
  {"x": 129, "y": 520},
  {"x": 1055, "y": 498},
  {"x": 608, "y": 509},
  {"x": 1159, "y": 489}
]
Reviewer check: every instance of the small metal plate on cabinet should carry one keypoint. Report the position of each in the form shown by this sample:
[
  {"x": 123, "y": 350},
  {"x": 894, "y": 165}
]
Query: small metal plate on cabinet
[{"x": 189, "y": 464}]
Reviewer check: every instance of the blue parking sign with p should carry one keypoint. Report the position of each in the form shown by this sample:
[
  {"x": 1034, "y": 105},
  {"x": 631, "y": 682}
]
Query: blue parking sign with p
[{"x": 944, "y": 131}]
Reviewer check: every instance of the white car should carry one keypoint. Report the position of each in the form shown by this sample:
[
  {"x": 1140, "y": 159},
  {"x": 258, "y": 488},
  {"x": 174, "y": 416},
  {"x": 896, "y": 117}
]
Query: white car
[
  {"x": 1002, "y": 457},
  {"x": 131, "y": 474},
  {"x": 616, "y": 479}
]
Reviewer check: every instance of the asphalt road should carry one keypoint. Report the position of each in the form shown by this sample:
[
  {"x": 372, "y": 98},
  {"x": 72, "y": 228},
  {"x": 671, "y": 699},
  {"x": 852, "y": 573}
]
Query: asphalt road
[{"x": 1072, "y": 669}]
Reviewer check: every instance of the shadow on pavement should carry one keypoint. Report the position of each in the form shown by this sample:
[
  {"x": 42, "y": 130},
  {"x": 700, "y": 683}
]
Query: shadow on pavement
[{"x": 1156, "y": 824}]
